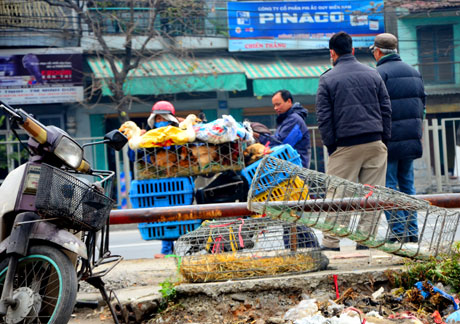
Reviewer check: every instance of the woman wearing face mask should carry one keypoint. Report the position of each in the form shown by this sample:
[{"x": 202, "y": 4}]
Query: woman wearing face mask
[{"x": 163, "y": 115}]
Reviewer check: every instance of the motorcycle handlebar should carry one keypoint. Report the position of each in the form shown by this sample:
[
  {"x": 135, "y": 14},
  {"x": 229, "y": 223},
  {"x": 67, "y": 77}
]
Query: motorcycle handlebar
[{"x": 32, "y": 126}]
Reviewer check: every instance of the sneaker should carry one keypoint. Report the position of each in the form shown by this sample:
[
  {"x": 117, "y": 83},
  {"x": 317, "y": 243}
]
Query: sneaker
[
  {"x": 159, "y": 256},
  {"x": 361, "y": 247},
  {"x": 325, "y": 248}
]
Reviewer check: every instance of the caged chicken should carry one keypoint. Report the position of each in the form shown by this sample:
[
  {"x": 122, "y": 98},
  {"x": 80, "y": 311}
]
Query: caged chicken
[
  {"x": 205, "y": 155},
  {"x": 255, "y": 152}
]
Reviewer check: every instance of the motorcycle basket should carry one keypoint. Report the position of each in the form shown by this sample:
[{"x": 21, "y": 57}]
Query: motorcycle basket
[{"x": 78, "y": 205}]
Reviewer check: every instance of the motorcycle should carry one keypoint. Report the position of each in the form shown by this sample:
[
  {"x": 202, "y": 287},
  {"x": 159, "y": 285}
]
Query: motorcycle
[{"x": 54, "y": 218}]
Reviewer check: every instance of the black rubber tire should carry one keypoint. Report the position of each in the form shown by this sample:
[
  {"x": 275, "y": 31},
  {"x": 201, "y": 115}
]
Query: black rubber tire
[{"x": 53, "y": 309}]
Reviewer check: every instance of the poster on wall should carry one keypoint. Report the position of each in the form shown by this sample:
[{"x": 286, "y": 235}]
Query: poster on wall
[
  {"x": 262, "y": 26},
  {"x": 39, "y": 76}
]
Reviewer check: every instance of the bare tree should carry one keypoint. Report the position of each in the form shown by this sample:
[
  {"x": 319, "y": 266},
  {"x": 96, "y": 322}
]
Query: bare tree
[{"x": 92, "y": 16}]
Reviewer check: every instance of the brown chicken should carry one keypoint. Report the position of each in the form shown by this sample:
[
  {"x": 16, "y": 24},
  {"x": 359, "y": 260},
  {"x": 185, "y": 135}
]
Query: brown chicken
[
  {"x": 164, "y": 159},
  {"x": 204, "y": 154},
  {"x": 255, "y": 152}
]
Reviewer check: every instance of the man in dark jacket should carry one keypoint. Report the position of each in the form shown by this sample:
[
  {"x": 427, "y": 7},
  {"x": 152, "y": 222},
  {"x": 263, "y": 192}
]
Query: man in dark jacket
[
  {"x": 354, "y": 118},
  {"x": 407, "y": 94},
  {"x": 291, "y": 127}
]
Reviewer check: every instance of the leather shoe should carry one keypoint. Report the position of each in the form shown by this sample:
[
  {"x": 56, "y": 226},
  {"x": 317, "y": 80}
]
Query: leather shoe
[
  {"x": 413, "y": 239},
  {"x": 325, "y": 248},
  {"x": 361, "y": 247}
]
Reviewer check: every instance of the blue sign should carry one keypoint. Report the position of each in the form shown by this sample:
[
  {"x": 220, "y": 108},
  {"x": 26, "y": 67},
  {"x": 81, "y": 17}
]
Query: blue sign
[{"x": 259, "y": 26}]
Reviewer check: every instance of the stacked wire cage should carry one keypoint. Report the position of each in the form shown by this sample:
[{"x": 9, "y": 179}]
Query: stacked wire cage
[
  {"x": 190, "y": 159},
  {"x": 252, "y": 247},
  {"x": 366, "y": 214},
  {"x": 247, "y": 248},
  {"x": 163, "y": 178}
]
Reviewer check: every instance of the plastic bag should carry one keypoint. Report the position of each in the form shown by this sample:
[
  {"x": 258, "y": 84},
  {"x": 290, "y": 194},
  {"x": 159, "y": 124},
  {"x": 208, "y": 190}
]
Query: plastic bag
[
  {"x": 425, "y": 294},
  {"x": 222, "y": 130},
  {"x": 305, "y": 308},
  {"x": 453, "y": 318},
  {"x": 164, "y": 136}
]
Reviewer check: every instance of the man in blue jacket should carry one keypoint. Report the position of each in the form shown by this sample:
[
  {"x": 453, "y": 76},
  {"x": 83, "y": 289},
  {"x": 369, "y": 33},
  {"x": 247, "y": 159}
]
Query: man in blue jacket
[
  {"x": 407, "y": 94},
  {"x": 354, "y": 118},
  {"x": 291, "y": 127}
]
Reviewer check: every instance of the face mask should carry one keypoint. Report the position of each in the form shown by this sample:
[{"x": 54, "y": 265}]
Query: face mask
[{"x": 161, "y": 124}]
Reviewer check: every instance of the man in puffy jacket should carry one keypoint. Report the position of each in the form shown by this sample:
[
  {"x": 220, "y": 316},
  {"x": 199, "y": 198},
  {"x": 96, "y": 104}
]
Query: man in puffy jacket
[
  {"x": 407, "y": 94},
  {"x": 291, "y": 127},
  {"x": 354, "y": 118}
]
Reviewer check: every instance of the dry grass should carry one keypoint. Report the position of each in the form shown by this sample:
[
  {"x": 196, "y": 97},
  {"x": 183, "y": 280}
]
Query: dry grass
[{"x": 226, "y": 266}]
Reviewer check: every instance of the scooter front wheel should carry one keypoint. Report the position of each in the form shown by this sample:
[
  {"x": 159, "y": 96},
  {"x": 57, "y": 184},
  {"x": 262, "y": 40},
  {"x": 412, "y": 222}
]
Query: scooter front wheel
[{"x": 45, "y": 286}]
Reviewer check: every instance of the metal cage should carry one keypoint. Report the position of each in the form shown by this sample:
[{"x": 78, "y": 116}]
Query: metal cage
[
  {"x": 377, "y": 217},
  {"x": 247, "y": 248},
  {"x": 188, "y": 160}
]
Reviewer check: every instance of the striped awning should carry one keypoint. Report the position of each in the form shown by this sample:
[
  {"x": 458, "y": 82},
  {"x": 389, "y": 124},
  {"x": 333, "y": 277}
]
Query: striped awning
[
  {"x": 282, "y": 69},
  {"x": 298, "y": 75},
  {"x": 171, "y": 74}
]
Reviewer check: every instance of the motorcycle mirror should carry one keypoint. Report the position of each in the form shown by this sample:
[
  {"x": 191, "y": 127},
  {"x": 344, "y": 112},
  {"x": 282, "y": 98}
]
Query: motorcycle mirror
[{"x": 115, "y": 139}]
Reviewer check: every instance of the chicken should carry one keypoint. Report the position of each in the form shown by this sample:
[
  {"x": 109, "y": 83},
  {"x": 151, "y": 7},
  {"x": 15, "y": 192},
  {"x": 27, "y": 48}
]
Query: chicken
[
  {"x": 164, "y": 159},
  {"x": 204, "y": 154},
  {"x": 255, "y": 152}
]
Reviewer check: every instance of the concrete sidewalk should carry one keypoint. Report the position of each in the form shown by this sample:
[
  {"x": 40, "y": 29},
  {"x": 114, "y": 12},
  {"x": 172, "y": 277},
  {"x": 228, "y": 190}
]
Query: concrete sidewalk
[{"x": 137, "y": 282}]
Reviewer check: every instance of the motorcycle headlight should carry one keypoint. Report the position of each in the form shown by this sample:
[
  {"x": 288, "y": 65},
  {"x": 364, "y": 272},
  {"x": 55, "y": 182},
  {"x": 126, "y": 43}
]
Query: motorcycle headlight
[{"x": 69, "y": 151}]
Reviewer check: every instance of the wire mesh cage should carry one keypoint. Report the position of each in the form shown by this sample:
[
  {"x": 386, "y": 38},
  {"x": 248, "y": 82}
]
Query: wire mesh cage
[
  {"x": 76, "y": 204},
  {"x": 247, "y": 248},
  {"x": 376, "y": 217},
  {"x": 188, "y": 160}
]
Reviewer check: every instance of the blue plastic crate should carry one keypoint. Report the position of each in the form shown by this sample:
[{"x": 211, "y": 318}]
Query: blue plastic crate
[
  {"x": 167, "y": 230},
  {"x": 161, "y": 192},
  {"x": 283, "y": 152}
]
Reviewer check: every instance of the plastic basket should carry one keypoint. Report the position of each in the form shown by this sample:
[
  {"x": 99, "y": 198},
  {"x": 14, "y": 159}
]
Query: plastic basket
[
  {"x": 167, "y": 230},
  {"x": 290, "y": 190},
  {"x": 161, "y": 192},
  {"x": 76, "y": 204},
  {"x": 283, "y": 152}
]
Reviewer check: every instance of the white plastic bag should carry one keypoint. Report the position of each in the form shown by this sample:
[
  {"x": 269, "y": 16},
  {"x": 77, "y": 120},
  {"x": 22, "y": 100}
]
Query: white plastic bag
[
  {"x": 222, "y": 130},
  {"x": 306, "y": 308}
]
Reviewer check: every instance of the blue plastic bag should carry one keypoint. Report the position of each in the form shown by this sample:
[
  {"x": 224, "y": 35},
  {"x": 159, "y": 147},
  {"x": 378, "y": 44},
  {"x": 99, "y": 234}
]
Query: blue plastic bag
[
  {"x": 453, "y": 318},
  {"x": 425, "y": 294}
]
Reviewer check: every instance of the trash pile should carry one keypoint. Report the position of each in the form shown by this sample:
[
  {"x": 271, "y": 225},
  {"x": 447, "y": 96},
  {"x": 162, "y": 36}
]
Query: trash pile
[
  {"x": 410, "y": 298},
  {"x": 424, "y": 303}
]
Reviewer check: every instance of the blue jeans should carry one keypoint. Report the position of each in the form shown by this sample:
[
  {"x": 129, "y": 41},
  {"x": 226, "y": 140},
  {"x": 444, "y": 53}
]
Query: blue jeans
[
  {"x": 167, "y": 247},
  {"x": 400, "y": 176}
]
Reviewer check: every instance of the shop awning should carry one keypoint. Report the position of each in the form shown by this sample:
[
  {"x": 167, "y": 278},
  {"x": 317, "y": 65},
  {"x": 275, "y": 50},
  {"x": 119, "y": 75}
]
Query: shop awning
[
  {"x": 168, "y": 74},
  {"x": 298, "y": 75}
]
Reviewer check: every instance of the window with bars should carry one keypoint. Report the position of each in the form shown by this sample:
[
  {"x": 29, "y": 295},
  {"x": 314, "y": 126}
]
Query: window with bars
[{"x": 436, "y": 53}]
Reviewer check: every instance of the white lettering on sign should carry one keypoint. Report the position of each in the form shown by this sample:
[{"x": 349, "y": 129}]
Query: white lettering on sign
[{"x": 306, "y": 17}]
